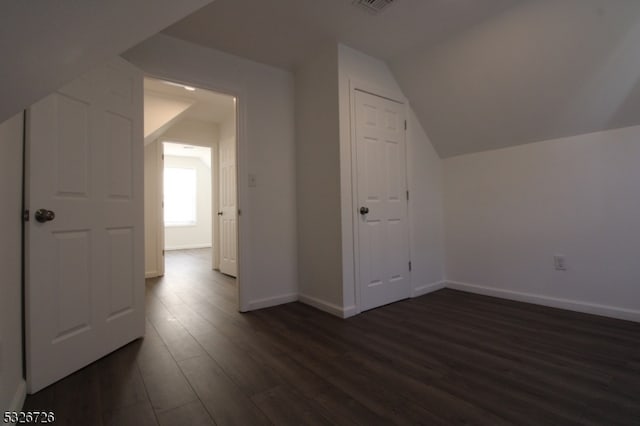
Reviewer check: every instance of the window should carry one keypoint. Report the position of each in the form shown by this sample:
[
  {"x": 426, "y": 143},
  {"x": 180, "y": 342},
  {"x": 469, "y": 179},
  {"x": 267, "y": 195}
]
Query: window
[{"x": 179, "y": 196}]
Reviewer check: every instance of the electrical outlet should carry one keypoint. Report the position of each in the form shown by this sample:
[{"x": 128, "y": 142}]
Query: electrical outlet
[{"x": 559, "y": 262}]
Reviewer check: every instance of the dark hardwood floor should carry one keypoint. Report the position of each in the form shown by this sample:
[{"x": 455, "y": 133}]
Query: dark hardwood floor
[{"x": 445, "y": 358}]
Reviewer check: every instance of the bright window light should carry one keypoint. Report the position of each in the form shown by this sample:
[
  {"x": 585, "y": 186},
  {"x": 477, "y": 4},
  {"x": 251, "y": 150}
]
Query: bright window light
[{"x": 179, "y": 196}]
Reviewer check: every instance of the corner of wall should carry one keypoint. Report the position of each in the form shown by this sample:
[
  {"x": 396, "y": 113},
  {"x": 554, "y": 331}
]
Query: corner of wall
[{"x": 317, "y": 176}]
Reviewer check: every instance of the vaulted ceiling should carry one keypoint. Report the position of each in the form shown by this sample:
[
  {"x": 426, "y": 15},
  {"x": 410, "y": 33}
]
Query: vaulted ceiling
[
  {"x": 282, "y": 32},
  {"x": 541, "y": 70},
  {"x": 46, "y": 44},
  {"x": 480, "y": 74}
]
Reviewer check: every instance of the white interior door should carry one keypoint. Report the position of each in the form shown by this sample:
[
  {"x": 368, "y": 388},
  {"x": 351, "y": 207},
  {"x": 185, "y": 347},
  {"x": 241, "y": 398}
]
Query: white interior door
[
  {"x": 383, "y": 237},
  {"x": 228, "y": 205},
  {"x": 85, "y": 283}
]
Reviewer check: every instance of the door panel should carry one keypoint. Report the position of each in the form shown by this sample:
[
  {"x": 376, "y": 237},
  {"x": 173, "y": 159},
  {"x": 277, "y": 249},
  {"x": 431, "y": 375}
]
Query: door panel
[
  {"x": 228, "y": 208},
  {"x": 85, "y": 278},
  {"x": 120, "y": 168},
  {"x": 383, "y": 239},
  {"x": 121, "y": 271}
]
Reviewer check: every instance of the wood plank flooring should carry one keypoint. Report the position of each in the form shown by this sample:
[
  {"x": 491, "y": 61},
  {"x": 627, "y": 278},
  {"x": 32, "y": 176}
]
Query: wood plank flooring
[{"x": 445, "y": 358}]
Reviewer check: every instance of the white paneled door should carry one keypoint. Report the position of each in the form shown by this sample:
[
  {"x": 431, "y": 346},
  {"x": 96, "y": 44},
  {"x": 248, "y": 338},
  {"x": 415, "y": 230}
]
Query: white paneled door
[
  {"x": 85, "y": 255},
  {"x": 381, "y": 184},
  {"x": 228, "y": 213}
]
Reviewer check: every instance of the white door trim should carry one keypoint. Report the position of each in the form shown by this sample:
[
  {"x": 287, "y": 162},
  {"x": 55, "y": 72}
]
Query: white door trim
[
  {"x": 242, "y": 156},
  {"x": 395, "y": 96},
  {"x": 160, "y": 207}
]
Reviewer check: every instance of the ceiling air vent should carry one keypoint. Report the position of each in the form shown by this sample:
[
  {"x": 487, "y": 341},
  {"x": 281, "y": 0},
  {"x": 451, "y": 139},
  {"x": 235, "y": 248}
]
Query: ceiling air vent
[{"x": 373, "y": 6}]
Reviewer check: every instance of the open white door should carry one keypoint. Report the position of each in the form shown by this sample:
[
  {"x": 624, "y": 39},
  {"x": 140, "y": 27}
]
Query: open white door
[
  {"x": 228, "y": 205},
  {"x": 85, "y": 265},
  {"x": 383, "y": 231}
]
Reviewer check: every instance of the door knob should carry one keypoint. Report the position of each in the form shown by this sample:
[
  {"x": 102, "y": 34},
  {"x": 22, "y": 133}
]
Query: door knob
[
  {"x": 364, "y": 210},
  {"x": 44, "y": 215},
  {"x": 220, "y": 213}
]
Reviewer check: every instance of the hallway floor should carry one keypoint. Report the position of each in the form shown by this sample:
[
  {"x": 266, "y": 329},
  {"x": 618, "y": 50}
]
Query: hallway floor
[{"x": 445, "y": 358}]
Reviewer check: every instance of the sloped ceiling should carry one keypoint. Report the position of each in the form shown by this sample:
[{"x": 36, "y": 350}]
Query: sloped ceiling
[
  {"x": 207, "y": 106},
  {"x": 282, "y": 32},
  {"x": 168, "y": 104},
  {"x": 540, "y": 70},
  {"x": 480, "y": 74},
  {"x": 160, "y": 112},
  {"x": 46, "y": 44}
]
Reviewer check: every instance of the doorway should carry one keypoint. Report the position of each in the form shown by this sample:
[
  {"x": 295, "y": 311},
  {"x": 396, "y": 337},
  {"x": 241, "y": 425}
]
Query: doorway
[
  {"x": 187, "y": 200},
  {"x": 382, "y": 230},
  {"x": 190, "y": 170}
]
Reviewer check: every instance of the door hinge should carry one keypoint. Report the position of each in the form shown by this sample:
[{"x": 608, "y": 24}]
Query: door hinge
[
  {"x": 25, "y": 215},
  {"x": 407, "y": 195},
  {"x": 405, "y": 124},
  {"x": 163, "y": 252},
  {"x": 409, "y": 265}
]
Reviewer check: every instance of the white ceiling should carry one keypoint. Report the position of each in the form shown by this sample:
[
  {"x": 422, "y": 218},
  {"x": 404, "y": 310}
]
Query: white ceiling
[
  {"x": 480, "y": 74},
  {"x": 192, "y": 151},
  {"x": 282, "y": 32},
  {"x": 207, "y": 106},
  {"x": 542, "y": 70}
]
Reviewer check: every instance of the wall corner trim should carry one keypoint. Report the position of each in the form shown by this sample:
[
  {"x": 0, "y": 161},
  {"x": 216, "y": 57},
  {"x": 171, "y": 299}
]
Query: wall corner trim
[
  {"x": 570, "y": 305},
  {"x": 327, "y": 307},
  {"x": 428, "y": 288},
  {"x": 271, "y": 301}
]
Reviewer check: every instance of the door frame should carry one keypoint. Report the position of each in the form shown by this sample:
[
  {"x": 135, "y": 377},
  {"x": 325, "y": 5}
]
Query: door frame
[
  {"x": 214, "y": 193},
  {"x": 394, "y": 96},
  {"x": 158, "y": 210},
  {"x": 242, "y": 155}
]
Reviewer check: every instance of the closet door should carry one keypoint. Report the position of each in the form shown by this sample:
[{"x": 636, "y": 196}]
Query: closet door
[{"x": 383, "y": 236}]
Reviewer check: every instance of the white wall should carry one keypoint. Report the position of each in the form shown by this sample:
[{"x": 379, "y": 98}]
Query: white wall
[
  {"x": 12, "y": 385},
  {"x": 509, "y": 211},
  {"x": 198, "y": 235},
  {"x": 318, "y": 180},
  {"x": 424, "y": 173},
  {"x": 266, "y": 149}
]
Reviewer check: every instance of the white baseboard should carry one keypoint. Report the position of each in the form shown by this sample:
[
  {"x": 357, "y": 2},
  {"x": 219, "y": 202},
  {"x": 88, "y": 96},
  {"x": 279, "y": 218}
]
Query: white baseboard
[
  {"x": 152, "y": 274},
  {"x": 19, "y": 396},
  {"x": 571, "y": 305},
  {"x": 272, "y": 301},
  {"x": 327, "y": 307},
  {"x": 350, "y": 311},
  {"x": 187, "y": 247},
  {"x": 428, "y": 288}
]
